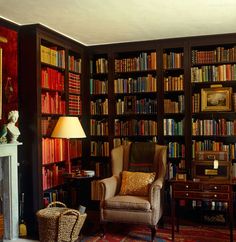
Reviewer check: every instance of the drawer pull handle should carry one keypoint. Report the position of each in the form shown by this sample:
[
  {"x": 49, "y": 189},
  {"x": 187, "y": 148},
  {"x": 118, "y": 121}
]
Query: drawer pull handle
[
  {"x": 186, "y": 186},
  {"x": 215, "y": 187},
  {"x": 215, "y": 195},
  {"x": 186, "y": 194}
]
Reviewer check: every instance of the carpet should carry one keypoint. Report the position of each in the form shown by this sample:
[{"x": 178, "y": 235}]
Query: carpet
[{"x": 130, "y": 233}]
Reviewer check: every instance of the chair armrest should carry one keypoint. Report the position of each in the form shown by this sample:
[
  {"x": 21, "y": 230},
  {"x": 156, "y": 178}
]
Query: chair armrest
[
  {"x": 109, "y": 187},
  {"x": 155, "y": 192}
]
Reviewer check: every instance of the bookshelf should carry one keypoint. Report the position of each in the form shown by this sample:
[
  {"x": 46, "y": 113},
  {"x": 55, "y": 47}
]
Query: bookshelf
[
  {"x": 51, "y": 83},
  {"x": 213, "y": 68},
  {"x": 99, "y": 111},
  {"x": 135, "y": 92},
  {"x": 174, "y": 108}
]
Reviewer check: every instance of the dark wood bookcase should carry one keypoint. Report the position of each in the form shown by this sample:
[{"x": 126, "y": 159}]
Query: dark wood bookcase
[
  {"x": 112, "y": 103},
  {"x": 52, "y": 77}
]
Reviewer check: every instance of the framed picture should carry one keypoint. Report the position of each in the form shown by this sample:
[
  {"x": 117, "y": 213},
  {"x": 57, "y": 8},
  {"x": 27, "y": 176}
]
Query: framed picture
[
  {"x": 181, "y": 176},
  {"x": 129, "y": 104},
  {"x": 216, "y": 99}
]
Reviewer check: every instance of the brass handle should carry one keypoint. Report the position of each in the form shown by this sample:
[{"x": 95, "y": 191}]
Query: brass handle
[
  {"x": 186, "y": 186},
  {"x": 215, "y": 187},
  {"x": 215, "y": 195},
  {"x": 186, "y": 194}
]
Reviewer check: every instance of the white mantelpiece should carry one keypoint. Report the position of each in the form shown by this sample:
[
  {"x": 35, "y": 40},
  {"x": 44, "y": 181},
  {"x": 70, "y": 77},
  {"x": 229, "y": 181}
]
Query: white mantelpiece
[{"x": 9, "y": 180}]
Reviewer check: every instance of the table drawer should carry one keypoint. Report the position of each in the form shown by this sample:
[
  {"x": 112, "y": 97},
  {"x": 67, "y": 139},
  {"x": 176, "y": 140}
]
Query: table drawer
[
  {"x": 216, "y": 187},
  {"x": 187, "y": 186},
  {"x": 201, "y": 195}
]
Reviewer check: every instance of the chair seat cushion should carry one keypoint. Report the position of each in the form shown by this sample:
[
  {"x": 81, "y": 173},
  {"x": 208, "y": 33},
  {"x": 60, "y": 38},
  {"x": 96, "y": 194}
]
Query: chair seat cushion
[{"x": 128, "y": 203}]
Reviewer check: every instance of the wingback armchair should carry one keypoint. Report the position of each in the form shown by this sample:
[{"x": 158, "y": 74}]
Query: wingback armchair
[{"x": 132, "y": 206}]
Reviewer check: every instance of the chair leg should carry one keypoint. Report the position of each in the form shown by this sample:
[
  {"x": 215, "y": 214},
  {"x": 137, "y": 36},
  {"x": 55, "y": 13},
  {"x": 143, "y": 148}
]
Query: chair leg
[
  {"x": 102, "y": 230},
  {"x": 153, "y": 233}
]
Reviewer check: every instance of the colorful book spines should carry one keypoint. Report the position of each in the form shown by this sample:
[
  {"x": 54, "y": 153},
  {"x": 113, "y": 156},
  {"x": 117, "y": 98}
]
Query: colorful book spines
[
  {"x": 52, "y": 56},
  {"x": 99, "y": 107},
  {"x": 135, "y": 127},
  {"x": 213, "y": 73},
  {"x": 141, "y": 84},
  {"x": 52, "y": 103},
  {"x": 74, "y": 83},
  {"x": 98, "y": 148},
  {"x": 174, "y": 83},
  {"x": 220, "y": 127},
  {"x": 98, "y": 86},
  {"x": 218, "y": 54},
  {"x": 52, "y": 79},
  {"x": 75, "y": 104},
  {"x": 75, "y": 64},
  {"x": 145, "y": 61},
  {"x": 173, "y": 60}
]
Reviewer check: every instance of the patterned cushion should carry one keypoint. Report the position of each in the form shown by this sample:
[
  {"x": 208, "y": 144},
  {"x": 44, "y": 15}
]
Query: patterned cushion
[{"x": 136, "y": 183}]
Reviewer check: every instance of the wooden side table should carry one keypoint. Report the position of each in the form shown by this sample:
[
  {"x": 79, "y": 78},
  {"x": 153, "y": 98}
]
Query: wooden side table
[{"x": 203, "y": 191}]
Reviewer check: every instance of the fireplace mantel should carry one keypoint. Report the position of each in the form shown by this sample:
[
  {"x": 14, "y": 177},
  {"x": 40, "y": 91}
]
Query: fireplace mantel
[{"x": 9, "y": 173}]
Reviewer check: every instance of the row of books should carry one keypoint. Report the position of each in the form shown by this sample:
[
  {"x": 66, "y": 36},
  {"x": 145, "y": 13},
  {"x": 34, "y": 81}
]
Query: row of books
[
  {"x": 171, "y": 106},
  {"x": 75, "y": 148},
  {"x": 52, "y": 103},
  {"x": 52, "y": 176},
  {"x": 218, "y": 54},
  {"x": 101, "y": 66},
  {"x": 52, "y": 56},
  {"x": 99, "y": 148},
  {"x": 98, "y": 127},
  {"x": 99, "y": 107},
  {"x": 176, "y": 150},
  {"x": 174, "y": 83},
  {"x": 173, "y": 60},
  {"x": 74, "y": 83},
  {"x": 143, "y": 62},
  {"x": 140, "y": 106},
  {"x": 206, "y": 144},
  {"x": 47, "y": 125},
  {"x": 135, "y": 127},
  {"x": 173, "y": 127},
  {"x": 130, "y": 85},
  {"x": 75, "y": 64},
  {"x": 213, "y": 127},
  {"x": 53, "y": 150},
  {"x": 98, "y": 86},
  {"x": 213, "y": 73},
  {"x": 102, "y": 169},
  {"x": 75, "y": 104},
  {"x": 52, "y": 79},
  {"x": 55, "y": 195}
]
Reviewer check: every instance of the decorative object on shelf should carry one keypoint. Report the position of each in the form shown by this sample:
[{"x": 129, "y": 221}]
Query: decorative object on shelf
[
  {"x": 12, "y": 130},
  {"x": 216, "y": 98},
  {"x": 3, "y": 134},
  {"x": 68, "y": 127}
]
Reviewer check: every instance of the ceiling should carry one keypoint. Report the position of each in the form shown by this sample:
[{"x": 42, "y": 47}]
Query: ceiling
[{"x": 94, "y": 22}]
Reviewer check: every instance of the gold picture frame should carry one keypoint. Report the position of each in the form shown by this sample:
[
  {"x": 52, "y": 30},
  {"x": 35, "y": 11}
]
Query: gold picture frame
[{"x": 216, "y": 99}]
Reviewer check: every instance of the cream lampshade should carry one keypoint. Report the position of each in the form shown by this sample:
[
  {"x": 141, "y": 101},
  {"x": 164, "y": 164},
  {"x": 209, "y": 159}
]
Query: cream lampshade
[{"x": 68, "y": 127}]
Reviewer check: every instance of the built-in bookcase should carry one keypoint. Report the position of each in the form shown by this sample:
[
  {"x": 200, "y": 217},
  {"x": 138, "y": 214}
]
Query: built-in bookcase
[
  {"x": 174, "y": 108},
  {"x": 51, "y": 76},
  {"x": 213, "y": 67},
  {"x": 99, "y": 111},
  {"x": 135, "y": 92}
]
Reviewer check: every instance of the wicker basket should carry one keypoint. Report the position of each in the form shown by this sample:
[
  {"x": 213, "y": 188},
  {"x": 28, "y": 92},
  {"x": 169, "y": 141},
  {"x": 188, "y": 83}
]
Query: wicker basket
[{"x": 59, "y": 224}]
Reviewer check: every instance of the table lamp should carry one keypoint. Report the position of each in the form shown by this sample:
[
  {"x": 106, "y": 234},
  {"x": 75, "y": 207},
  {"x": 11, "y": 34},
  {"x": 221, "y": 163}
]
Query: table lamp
[{"x": 68, "y": 127}]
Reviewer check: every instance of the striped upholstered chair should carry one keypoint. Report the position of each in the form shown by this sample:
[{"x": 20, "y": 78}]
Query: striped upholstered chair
[{"x": 134, "y": 193}]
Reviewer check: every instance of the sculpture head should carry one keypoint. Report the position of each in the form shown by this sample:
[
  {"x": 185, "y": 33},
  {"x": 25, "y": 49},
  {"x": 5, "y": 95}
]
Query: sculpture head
[{"x": 13, "y": 116}]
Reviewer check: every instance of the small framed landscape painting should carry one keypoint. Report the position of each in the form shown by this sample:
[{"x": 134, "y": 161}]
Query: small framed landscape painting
[{"x": 216, "y": 99}]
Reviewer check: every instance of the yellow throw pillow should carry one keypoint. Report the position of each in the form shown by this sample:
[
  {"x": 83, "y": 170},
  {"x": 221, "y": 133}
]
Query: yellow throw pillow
[{"x": 136, "y": 183}]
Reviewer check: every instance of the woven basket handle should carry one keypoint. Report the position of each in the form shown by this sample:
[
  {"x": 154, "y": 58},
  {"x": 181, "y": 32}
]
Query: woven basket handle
[
  {"x": 70, "y": 211},
  {"x": 54, "y": 204}
]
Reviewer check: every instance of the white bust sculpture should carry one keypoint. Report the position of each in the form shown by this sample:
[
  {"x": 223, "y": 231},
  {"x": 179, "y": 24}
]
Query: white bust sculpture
[{"x": 13, "y": 131}]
